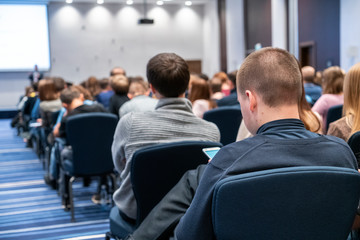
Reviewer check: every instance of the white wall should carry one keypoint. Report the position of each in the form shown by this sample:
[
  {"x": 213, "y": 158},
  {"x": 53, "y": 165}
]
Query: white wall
[
  {"x": 349, "y": 33},
  {"x": 89, "y": 39},
  {"x": 235, "y": 34},
  {"x": 278, "y": 24}
]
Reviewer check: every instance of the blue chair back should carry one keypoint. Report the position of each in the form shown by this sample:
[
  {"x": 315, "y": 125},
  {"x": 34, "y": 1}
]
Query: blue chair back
[
  {"x": 228, "y": 120},
  {"x": 354, "y": 143},
  {"x": 334, "y": 113},
  {"x": 156, "y": 169},
  {"x": 90, "y": 136},
  {"x": 289, "y": 203}
]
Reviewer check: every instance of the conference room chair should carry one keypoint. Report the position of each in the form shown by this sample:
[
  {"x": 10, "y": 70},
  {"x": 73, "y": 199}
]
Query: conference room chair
[
  {"x": 294, "y": 203},
  {"x": 334, "y": 113},
  {"x": 90, "y": 135},
  {"x": 228, "y": 120},
  {"x": 154, "y": 171},
  {"x": 354, "y": 143}
]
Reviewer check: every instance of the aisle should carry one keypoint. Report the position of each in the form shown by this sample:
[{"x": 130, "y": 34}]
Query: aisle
[{"x": 29, "y": 209}]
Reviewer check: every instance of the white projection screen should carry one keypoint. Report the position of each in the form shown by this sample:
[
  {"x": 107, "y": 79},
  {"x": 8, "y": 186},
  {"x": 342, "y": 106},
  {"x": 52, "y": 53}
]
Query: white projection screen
[{"x": 24, "y": 38}]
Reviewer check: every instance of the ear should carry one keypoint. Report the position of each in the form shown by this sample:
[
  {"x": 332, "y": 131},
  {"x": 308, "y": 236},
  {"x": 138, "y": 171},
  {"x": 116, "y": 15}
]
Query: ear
[
  {"x": 252, "y": 100},
  {"x": 130, "y": 96},
  {"x": 65, "y": 105},
  {"x": 152, "y": 88}
]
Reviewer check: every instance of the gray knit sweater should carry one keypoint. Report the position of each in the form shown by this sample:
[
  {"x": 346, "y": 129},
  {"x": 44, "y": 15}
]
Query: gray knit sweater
[{"x": 171, "y": 121}]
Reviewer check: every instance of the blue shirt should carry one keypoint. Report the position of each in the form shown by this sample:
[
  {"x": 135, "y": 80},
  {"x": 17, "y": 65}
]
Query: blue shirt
[{"x": 281, "y": 143}]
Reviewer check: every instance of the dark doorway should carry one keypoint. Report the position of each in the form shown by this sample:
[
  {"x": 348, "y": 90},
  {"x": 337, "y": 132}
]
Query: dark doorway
[
  {"x": 307, "y": 54},
  {"x": 194, "y": 66}
]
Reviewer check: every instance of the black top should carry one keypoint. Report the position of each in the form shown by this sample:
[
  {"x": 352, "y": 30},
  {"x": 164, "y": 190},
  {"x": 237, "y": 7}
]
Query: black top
[{"x": 116, "y": 101}]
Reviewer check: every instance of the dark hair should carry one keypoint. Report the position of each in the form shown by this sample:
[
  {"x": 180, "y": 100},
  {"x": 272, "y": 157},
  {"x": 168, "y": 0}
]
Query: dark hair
[
  {"x": 47, "y": 91},
  {"x": 69, "y": 94},
  {"x": 59, "y": 83},
  {"x": 117, "y": 71},
  {"x": 104, "y": 83},
  {"x": 169, "y": 74}
]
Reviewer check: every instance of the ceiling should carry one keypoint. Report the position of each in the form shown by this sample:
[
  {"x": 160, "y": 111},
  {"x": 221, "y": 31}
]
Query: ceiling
[{"x": 195, "y": 2}]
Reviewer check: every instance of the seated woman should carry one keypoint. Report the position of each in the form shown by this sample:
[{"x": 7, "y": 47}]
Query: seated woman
[
  {"x": 333, "y": 79},
  {"x": 350, "y": 123},
  {"x": 200, "y": 97}
]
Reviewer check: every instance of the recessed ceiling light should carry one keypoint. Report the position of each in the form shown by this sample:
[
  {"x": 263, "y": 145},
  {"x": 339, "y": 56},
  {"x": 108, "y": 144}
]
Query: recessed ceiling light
[
  {"x": 69, "y": 1},
  {"x": 129, "y": 2},
  {"x": 100, "y": 1},
  {"x": 160, "y": 3},
  {"x": 188, "y": 3}
]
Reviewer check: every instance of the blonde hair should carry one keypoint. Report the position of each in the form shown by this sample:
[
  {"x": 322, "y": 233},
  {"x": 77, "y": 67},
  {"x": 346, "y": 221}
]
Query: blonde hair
[
  {"x": 120, "y": 84},
  {"x": 352, "y": 97}
]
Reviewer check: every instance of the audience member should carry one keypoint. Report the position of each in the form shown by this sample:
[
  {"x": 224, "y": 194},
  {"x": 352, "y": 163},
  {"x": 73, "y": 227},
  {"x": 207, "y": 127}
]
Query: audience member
[
  {"x": 311, "y": 89},
  {"x": 350, "y": 123},
  {"x": 215, "y": 89},
  {"x": 230, "y": 100},
  {"x": 269, "y": 90},
  {"x": 332, "y": 93},
  {"x": 106, "y": 93},
  {"x": 120, "y": 85},
  {"x": 140, "y": 101},
  {"x": 171, "y": 121},
  {"x": 226, "y": 85},
  {"x": 199, "y": 96},
  {"x": 92, "y": 84},
  {"x": 117, "y": 71}
]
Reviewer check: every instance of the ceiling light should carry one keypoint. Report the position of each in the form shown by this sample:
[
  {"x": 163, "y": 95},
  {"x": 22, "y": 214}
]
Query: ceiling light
[
  {"x": 129, "y": 2},
  {"x": 100, "y": 1},
  {"x": 160, "y": 3},
  {"x": 188, "y": 3},
  {"x": 69, "y": 1}
]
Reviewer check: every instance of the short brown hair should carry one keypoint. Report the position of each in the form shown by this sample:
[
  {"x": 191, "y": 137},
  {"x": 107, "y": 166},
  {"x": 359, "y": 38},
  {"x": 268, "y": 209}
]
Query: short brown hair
[
  {"x": 120, "y": 84},
  {"x": 272, "y": 73},
  {"x": 333, "y": 80},
  {"x": 104, "y": 83},
  {"x": 47, "y": 91},
  {"x": 59, "y": 83},
  {"x": 169, "y": 74},
  {"x": 215, "y": 85},
  {"x": 69, "y": 94}
]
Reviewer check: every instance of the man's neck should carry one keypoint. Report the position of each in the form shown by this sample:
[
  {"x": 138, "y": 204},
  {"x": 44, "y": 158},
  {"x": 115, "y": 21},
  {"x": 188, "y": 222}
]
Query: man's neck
[
  {"x": 269, "y": 114},
  {"x": 76, "y": 103}
]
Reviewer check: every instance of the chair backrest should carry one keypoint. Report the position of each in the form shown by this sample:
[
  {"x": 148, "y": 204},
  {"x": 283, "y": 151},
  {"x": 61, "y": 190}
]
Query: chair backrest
[
  {"x": 354, "y": 143},
  {"x": 228, "y": 120},
  {"x": 156, "y": 169},
  {"x": 90, "y": 136},
  {"x": 334, "y": 113},
  {"x": 287, "y": 203}
]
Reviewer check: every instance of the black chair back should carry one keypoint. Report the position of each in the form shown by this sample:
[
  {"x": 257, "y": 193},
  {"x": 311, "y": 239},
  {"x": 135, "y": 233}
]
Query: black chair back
[
  {"x": 156, "y": 169},
  {"x": 354, "y": 143},
  {"x": 288, "y": 203},
  {"x": 90, "y": 136},
  {"x": 228, "y": 120},
  {"x": 334, "y": 113}
]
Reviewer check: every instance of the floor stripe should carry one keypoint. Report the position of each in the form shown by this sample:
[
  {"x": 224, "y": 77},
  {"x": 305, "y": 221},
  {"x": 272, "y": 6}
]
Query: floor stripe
[
  {"x": 54, "y": 226},
  {"x": 12, "y": 163},
  {"x": 21, "y": 184},
  {"x": 12, "y": 150}
]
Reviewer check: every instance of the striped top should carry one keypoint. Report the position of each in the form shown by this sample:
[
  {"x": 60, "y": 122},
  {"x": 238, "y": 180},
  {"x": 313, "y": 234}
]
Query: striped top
[{"x": 171, "y": 121}]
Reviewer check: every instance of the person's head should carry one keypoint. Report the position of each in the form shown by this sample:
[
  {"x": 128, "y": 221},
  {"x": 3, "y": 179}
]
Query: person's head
[
  {"x": 232, "y": 78},
  {"x": 47, "y": 90},
  {"x": 92, "y": 84},
  {"x": 35, "y": 67},
  {"x": 269, "y": 87},
  {"x": 60, "y": 83},
  {"x": 117, "y": 71},
  {"x": 138, "y": 88},
  {"x": 168, "y": 75},
  {"x": 71, "y": 98},
  {"x": 215, "y": 85},
  {"x": 352, "y": 96},
  {"x": 199, "y": 90},
  {"x": 333, "y": 80},
  {"x": 308, "y": 73},
  {"x": 120, "y": 84},
  {"x": 104, "y": 84},
  {"x": 84, "y": 91}
]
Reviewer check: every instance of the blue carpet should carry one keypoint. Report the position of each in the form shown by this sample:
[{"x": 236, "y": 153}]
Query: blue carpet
[{"x": 29, "y": 209}]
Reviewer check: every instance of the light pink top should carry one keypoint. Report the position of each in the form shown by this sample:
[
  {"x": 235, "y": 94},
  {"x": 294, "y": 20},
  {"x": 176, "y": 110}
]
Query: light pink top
[
  {"x": 323, "y": 104},
  {"x": 200, "y": 106}
]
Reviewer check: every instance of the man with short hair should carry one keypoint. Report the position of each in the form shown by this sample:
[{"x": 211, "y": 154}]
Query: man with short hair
[
  {"x": 117, "y": 71},
  {"x": 140, "y": 100},
  {"x": 171, "y": 121},
  {"x": 120, "y": 85},
  {"x": 311, "y": 89},
  {"x": 269, "y": 88}
]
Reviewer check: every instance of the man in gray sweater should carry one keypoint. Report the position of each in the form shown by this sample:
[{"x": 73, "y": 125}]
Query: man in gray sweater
[{"x": 171, "y": 121}]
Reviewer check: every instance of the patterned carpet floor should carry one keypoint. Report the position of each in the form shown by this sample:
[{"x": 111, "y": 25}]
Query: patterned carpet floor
[{"x": 29, "y": 209}]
